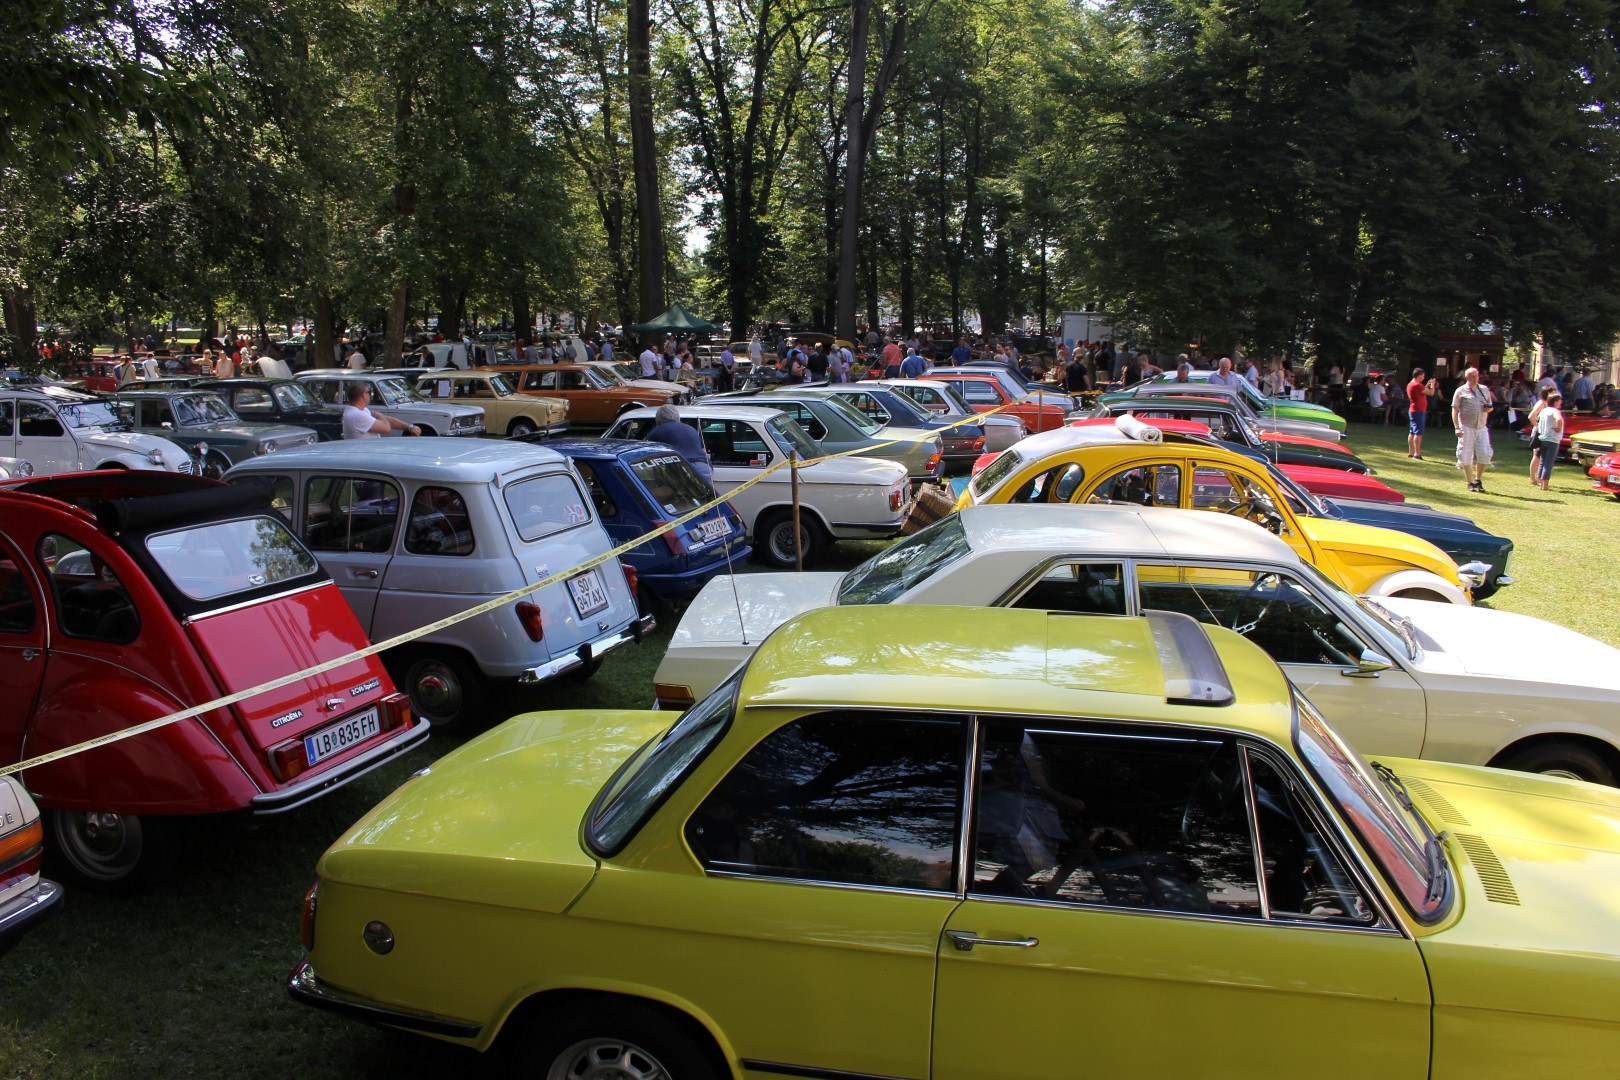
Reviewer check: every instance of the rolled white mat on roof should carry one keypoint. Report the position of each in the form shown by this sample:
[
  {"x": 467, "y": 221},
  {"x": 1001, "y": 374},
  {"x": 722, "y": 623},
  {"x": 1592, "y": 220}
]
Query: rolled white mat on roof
[{"x": 1135, "y": 429}]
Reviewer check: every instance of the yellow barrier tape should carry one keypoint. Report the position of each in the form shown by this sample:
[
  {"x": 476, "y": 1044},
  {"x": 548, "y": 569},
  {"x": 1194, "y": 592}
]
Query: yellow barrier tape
[{"x": 474, "y": 612}]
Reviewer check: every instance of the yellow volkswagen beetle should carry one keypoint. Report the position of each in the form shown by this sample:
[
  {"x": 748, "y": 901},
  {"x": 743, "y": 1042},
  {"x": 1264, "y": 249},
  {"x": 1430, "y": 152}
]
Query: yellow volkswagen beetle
[
  {"x": 1125, "y": 463},
  {"x": 1110, "y": 846}
]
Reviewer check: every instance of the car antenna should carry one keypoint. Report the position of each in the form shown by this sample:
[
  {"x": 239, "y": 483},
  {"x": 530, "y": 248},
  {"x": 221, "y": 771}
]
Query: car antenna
[{"x": 742, "y": 627}]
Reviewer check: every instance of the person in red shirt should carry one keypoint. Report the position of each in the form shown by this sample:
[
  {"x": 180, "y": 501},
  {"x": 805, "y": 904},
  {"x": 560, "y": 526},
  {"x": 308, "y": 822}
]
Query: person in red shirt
[{"x": 1418, "y": 393}]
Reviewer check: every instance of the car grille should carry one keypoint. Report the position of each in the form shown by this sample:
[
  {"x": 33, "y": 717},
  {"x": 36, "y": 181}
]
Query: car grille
[
  {"x": 467, "y": 424},
  {"x": 1592, "y": 449}
]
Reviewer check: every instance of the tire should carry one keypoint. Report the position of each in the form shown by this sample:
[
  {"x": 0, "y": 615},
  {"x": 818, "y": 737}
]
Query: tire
[
  {"x": 773, "y": 538},
  {"x": 1570, "y": 760},
  {"x": 611, "y": 1039},
  {"x": 444, "y": 686},
  {"x": 521, "y": 427},
  {"x": 425, "y": 431},
  {"x": 584, "y": 672},
  {"x": 213, "y": 465},
  {"x": 111, "y": 853},
  {"x": 113, "y": 466}
]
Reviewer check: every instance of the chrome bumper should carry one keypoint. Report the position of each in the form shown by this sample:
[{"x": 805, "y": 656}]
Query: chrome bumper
[
  {"x": 640, "y": 628},
  {"x": 1474, "y": 574},
  {"x": 274, "y": 802},
  {"x": 306, "y": 987},
  {"x": 32, "y": 907}
]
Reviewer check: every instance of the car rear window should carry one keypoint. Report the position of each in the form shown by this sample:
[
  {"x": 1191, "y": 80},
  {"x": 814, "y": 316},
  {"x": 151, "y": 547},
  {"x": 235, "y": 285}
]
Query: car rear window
[
  {"x": 995, "y": 472},
  {"x": 223, "y": 558},
  {"x": 544, "y": 505},
  {"x": 673, "y": 483}
]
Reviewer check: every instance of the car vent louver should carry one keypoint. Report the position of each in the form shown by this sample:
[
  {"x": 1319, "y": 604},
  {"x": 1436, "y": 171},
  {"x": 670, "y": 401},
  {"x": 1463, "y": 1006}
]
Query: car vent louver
[
  {"x": 1441, "y": 805},
  {"x": 1492, "y": 874}
]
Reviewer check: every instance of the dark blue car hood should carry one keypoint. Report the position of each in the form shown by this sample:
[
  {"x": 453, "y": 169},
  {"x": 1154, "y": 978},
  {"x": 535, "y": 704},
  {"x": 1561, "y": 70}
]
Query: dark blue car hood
[{"x": 1445, "y": 531}]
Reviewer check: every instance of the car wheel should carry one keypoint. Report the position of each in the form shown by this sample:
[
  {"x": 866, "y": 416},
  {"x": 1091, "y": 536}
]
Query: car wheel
[
  {"x": 112, "y": 853},
  {"x": 425, "y": 431},
  {"x": 611, "y": 1041},
  {"x": 632, "y": 405},
  {"x": 584, "y": 672},
  {"x": 1420, "y": 594},
  {"x": 1569, "y": 760},
  {"x": 520, "y": 428},
  {"x": 774, "y": 537},
  {"x": 214, "y": 465},
  {"x": 444, "y": 686}
]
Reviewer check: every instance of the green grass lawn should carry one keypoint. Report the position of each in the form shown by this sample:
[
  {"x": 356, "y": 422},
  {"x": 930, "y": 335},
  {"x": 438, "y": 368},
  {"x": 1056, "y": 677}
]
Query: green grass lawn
[{"x": 186, "y": 981}]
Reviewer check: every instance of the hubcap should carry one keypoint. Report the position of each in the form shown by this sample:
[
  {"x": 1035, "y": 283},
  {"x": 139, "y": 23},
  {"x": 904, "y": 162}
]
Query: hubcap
[
  {"x": 1563, "y": 774},
  {"x": 438, "y": 693},
  {"x": 606, "y": 1059},
  {"x": 100, "y": 845}
]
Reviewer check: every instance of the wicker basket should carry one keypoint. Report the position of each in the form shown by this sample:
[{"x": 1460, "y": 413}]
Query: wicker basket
[{"x": 934, "y": 501}]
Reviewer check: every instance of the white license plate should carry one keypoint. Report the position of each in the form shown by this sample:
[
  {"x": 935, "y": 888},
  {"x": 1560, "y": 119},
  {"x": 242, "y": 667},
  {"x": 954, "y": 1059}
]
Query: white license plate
[
  {"x": 1612, "y": 481},
  {"x": 588, "y": 593},
  {"x": 705, "y": 531},
  {"x": 340, "y": 736}
]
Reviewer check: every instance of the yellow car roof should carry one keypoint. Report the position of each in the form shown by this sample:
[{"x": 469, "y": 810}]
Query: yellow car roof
[{"x": 1162, "y": 667}]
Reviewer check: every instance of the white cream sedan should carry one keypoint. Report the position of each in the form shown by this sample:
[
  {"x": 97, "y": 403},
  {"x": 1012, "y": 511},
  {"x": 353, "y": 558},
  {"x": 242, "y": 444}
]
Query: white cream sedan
[
  {"x": 852, "y": 498},
  {"x": 1404, "y": 678},
  {"x": 26, "y": 899}
]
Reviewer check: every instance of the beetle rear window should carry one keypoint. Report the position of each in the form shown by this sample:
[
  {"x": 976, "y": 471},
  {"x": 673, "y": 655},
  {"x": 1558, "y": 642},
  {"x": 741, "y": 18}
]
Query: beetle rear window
[
  {"x": 544, "y": 505},
  {"x": 224, "y": 558}
]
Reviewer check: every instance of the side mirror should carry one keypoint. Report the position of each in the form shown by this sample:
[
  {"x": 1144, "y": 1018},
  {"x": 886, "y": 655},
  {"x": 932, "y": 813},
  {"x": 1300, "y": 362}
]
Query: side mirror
[{"x": 1371, "y": 663}]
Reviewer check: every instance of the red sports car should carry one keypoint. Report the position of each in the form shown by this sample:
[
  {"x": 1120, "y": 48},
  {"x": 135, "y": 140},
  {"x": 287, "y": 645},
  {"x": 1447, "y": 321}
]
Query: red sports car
[{"x": 1606, "y": 471}]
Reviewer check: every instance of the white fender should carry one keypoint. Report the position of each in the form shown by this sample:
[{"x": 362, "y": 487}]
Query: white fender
[{"x": 1410, "y": 580}]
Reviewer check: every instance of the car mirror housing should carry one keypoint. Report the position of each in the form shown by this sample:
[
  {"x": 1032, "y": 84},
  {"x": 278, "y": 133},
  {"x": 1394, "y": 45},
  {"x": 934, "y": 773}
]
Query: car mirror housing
[{"x": 1369, "y": 665}]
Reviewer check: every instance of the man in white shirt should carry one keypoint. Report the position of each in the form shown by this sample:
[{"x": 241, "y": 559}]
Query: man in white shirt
[
  {"x": 359, "y": 422},
  {"x": 649, "y": 363},
  {"x": 756, "y": 352},
  {"x": 1224, "y": 375},
  {"x": 356, "y": 361}
]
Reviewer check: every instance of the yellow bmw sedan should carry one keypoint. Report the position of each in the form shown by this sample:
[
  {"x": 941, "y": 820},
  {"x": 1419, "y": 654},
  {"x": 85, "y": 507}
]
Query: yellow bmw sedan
[{"x": 1107, "y": 847}]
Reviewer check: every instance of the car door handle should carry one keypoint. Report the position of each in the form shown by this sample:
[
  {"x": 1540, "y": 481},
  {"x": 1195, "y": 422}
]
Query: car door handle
[
  {"x": 365, "y": 573},
  {"x": 29, "y": 654},
  {"x": 964, "y": 940}
]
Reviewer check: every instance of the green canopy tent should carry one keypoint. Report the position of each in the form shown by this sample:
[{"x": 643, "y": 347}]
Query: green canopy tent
[{"x": 676, "y": 320}]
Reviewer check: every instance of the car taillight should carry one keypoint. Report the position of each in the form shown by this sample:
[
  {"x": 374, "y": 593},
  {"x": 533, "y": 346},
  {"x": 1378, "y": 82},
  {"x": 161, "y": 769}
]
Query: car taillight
[
  {"x": 306, "y": 921},
  {"x": 897, "y": 498},
  {"x": 20, "y": 849},
  {"x": 631, "y": 578},
  {"x": 978, "y": 444},
  {"x": 533, "y": 624},
  {"x": 933, "y": 460},
  {"x": 287, "y": 759},
  {"x": 676, "y": 547},
  {"x": 673, "y": 696},
  {"x": 396, "y": 711}
]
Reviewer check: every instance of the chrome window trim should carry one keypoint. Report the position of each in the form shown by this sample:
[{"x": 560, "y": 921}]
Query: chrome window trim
[
  {"x": 256, "y": 601},
  {"x": 964, "y": 862},
  {"x": 1023, "y": 584},
  {"x": 946, "y": 893},
  {"x": 1191, "y": 916},
  {"x": 1251, "y": 811}
]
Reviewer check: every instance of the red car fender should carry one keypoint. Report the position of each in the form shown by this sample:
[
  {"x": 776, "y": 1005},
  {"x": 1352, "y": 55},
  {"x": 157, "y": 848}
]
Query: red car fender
[{"x": 179, "y": 769}]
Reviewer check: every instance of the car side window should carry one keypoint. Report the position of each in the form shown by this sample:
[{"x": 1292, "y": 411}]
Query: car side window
[
  {"x": 735, "y": 443},
  {"x": 605, "y": 507},
  {"x": 868, "y": 405},
  {"x": 1056, "y": 485},
  {"x": 634, "y": 428},
  {"x": 281, "y": 491},
  {"x": 1304, "y": 878},
  {"x": 1154, "y": 822},
  {"x": 1273, "y": 610},
  {"x": 36, "y": 421},
  {"x": 843, "y": 799},
  {"x": 977, "y": 393},
  {"x": 91, "y": 602},
  {"x": 17, "y": 612},
  {"x": 1080, "y": 588},
  {"x": 5, "y": 418},
  {"x": 251, "y": 401},
  {"x": 350, "y": 514},
  {"x": 326, "y": 390},
  {"x": 439, "y": 523},
  {"x": 573, "y": 380},
  {"x": 1142, "y": 485},
  {"x": 1228, "y": 491}
]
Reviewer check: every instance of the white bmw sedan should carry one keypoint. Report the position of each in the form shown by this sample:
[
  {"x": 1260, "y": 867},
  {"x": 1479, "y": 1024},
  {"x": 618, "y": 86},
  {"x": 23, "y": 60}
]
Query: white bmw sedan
[{"x": 1404, "y": 678}]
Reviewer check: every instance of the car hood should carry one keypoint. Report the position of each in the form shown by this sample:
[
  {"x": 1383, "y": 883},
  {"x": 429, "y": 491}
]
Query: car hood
[
  {"x": 1338, "y": 483},
  {"x": 1538, "y": 858},
  {"x": 765, "y": 601},
  {"x": 249, "y": 432},
  {"x": 1424, "y": 521},
  {"x": 1354, "y": 543},
  {"x": 498, "y": 818},
  {"x": 135, "y": 442},
  {"x": 1472, "y": 640},
  {"x": 1302, "y": 442}
]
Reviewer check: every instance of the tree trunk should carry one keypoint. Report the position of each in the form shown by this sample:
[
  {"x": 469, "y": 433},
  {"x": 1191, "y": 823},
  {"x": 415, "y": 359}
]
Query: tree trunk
[
  {"x": 325, "y": 332},
  {"x": 644, "y": 154},
  {"x": 854, "y": 166},
  {"x": 394, "y": 331},
  {"x": 522, "y": 314}
]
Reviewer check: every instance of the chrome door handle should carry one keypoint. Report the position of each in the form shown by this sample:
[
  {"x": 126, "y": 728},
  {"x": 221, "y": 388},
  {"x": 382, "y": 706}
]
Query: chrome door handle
[
  {"x": 964, "y": 940},
  {"x": 365, "y": 573},
  {"x": 29, "y": 654}
]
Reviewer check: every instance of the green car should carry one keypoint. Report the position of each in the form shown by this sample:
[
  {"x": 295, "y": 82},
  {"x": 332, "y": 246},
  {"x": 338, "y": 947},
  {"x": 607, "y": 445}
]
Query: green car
[{"x": 1281, "y": 408}]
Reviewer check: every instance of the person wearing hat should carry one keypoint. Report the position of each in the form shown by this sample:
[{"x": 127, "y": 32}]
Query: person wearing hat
[{"x": 1549, "y": 435}]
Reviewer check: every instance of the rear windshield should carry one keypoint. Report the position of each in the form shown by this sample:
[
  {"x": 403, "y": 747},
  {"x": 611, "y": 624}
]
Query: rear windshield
[
  {"x": 995, "y": 472},
  {"x": 223, "y": 558},
  {"x": 546, "y": 504},
  {"x": 674, "y": 484}
]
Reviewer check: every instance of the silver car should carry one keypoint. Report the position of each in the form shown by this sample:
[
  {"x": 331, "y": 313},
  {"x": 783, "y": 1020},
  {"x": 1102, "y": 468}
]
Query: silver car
[
  {"x": 414, "y": 530},
  {"x": 391, "y": 396}
]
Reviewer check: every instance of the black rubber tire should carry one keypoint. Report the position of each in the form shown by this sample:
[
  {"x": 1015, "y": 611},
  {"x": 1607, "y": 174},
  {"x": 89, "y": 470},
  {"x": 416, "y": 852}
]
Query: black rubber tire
[
  {"x": 773, "y": 538},
  {"x": 444, "y": 686},
  {"x": 555, "y": 1044},
  {"x": 116, "y": 854},
  {"x": 424, "y": 431},
  {"x": 584, "y": 672},
  {"x": 521, "y": 427},
  {"x": 1567, "y": 759}
]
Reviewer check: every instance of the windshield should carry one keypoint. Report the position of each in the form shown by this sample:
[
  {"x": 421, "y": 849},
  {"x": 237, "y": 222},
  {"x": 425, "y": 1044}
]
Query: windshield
[
  {"x": 994, "y": 473},
  {"x": 673, "y": 483},
  {"x": 1302, "y": 501},
  {"x": 621, "y": 373},
  {"x": 393, "y": 391},
  {"x": 599, "y": 379},
  {"x": 229, "y": 557},
  {"x": 292, "y": 396},
  {"x": 632, "y": 796},
  {"x": 789, "y": 434},
  {"x": 103, "y": 414},
  {"x": 1395, "y": 835},
  {"x": 198, "y": 409},
  {"x": 852, "y": 416},
  {"x": 899, "y": 568},
  {"x": 1396, "y": 631}
]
